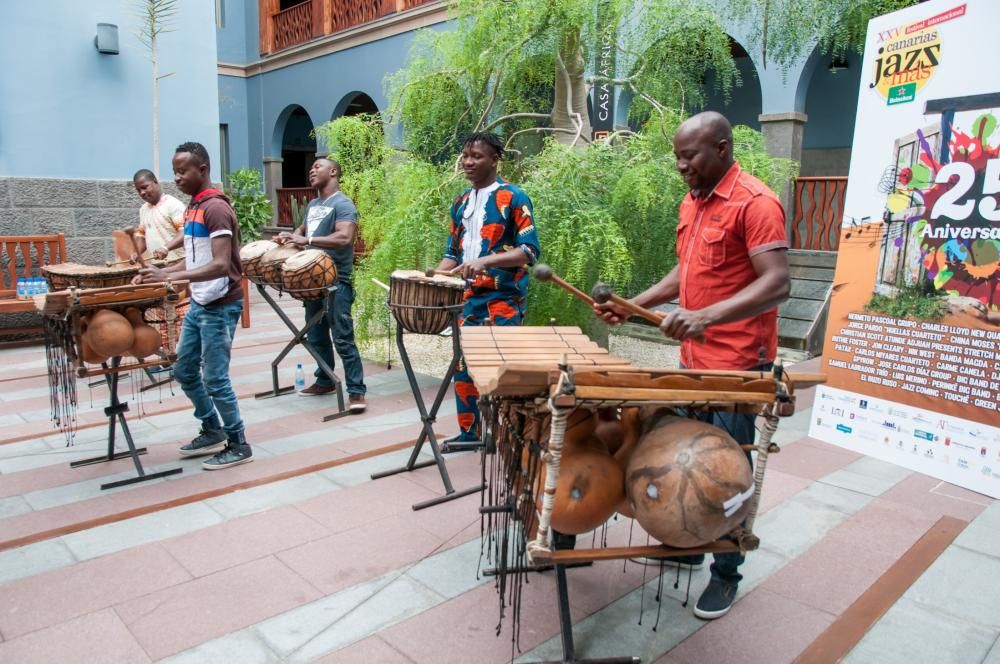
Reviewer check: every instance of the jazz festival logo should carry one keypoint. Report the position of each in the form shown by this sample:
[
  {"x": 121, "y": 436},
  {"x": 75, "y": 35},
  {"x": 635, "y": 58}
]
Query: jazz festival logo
[{"x": 908, "y": 56}]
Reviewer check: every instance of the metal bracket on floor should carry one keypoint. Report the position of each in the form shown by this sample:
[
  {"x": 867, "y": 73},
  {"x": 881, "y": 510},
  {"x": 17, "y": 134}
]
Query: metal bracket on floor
[
  {"x": 115, "y": 411},
  {"x": 428, "y": 419},
  {"x": 299, "y": 337}
]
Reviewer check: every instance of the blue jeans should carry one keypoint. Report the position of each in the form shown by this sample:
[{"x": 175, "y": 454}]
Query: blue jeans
[
  {"x": 339, "y": 323},
  {"x": 202, "y": 367},
  {"x": 742, "y": 428}
]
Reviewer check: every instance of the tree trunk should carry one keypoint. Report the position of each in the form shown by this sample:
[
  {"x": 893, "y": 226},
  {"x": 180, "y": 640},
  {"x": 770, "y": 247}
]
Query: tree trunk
[
  {"x": 156, "y": 110},
  {"x": 570, "y": 106}
]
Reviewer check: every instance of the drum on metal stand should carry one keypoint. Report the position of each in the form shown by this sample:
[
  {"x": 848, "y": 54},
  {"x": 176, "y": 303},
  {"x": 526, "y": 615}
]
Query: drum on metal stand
[
  {"x": 251, "y": 255},
  {"x": 422, "y": 304},
  {"x": 427, "y": 305},
  {"x": 309, "y": 274},
  {"x": 269, "y": 267}
]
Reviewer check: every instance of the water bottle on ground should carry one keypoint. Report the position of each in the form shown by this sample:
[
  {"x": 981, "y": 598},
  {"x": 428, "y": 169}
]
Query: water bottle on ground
[
  {"x": 22, "y": 289},
  {"x": 300, "y": 378}
]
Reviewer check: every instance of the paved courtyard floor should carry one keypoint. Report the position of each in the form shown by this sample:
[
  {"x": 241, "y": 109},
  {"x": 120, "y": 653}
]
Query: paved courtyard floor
[{"x": 301, "y": 557}]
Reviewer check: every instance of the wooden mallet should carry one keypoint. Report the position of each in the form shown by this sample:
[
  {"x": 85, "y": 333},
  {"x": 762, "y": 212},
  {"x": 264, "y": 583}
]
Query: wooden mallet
[
  {"x": 131, "y": 236},
  {"x": 543, "y": 272},
  {"x": 603, "y": 293}
]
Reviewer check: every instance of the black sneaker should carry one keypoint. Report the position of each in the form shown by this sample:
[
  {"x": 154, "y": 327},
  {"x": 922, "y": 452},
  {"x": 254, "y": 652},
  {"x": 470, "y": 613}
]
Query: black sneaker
[
  {"x": 233, "y": 455},
  {"x": 693, "y": 562},
  {"x": 716, "y": 601},
  {"x": 208, "y": 441}
]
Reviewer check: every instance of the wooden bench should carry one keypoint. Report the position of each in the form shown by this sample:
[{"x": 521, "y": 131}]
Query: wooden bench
[{"x": 21, "y": 257}]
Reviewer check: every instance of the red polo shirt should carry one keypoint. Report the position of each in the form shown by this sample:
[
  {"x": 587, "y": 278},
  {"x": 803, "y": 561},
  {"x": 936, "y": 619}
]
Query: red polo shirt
[{"x": 716, "y": 237}]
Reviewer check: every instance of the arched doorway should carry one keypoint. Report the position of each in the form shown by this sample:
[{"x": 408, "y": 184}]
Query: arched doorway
[
  {"x": 831, "y": 104},
  {"x": 743, "y": 105},
  {"x": 361, "y": 104},
  {"x": 298, "y": 149}
]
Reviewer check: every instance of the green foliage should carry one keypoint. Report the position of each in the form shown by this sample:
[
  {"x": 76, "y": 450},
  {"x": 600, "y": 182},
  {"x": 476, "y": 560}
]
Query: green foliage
[
  {"x": 155, "y": 18},
  {"x": 435, "y": 127},
  {"x": 356, "y": 142},
  {"x": 784, "y": 30},
  {"x": 911, "y": 302},
  {"x": 499, "y": 68},
  {"x": 604, "y": 211},
  {"x": 750, "y": 151},
  {"x": 411, "y": 222},
  {"x": 670, "y": 67},
  {"x": 253, "y": 209}
]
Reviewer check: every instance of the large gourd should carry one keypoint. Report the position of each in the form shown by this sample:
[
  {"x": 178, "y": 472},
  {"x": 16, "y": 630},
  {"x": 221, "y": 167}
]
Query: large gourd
[{"x": 688, "y": 482}]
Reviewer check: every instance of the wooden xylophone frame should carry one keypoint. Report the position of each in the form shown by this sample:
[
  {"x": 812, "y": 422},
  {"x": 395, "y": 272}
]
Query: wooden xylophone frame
[
  {"x": 517, "y": 395},
  {"x": 63, "y": 311}
]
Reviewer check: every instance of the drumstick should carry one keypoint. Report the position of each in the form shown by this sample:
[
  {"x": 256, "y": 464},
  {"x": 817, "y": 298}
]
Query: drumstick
[
  {"x": 602, "y": 293},
  {"x": 430, "y": 272},
  {"x": 379, "y": 283},
  {"x": 131, "y": 235},
  {"x": 543, "y": 272}
]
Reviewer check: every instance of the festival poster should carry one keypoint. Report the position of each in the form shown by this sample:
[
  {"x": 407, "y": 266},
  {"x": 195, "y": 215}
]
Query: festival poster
[{"x": 912, "y": 349}]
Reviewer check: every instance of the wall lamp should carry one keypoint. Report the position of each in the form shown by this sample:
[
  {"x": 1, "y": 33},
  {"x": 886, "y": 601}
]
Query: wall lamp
[{"x": 106, "y": 40}]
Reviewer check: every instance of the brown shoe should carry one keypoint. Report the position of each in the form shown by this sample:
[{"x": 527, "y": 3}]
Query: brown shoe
[
  {"x": 317, "y": 390},
  {"x": 356, "y": 403}
]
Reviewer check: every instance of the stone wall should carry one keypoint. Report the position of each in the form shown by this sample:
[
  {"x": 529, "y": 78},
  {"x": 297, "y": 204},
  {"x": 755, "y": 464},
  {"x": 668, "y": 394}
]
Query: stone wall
[{"x": 85, "y": 210}]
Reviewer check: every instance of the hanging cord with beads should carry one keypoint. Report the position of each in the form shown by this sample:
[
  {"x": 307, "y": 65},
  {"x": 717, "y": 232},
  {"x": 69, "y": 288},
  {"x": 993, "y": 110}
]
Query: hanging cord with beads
[{"x": 60, "y": 355}]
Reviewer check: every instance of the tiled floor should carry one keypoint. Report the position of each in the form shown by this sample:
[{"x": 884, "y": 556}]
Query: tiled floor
[{"x": 269, "y": 563}]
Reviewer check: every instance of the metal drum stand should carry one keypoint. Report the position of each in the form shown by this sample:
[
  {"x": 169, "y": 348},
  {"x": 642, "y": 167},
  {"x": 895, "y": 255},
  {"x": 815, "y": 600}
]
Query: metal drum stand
[
  {"x": 428, "y": 418},
  {"x": 299, "y": 336}
]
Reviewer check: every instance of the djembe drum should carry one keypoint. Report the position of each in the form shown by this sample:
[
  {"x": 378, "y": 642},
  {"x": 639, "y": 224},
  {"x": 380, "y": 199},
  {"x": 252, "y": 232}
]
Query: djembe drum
[
  {"x": 251, "y": 255},
  {"x": 269, "y": 267},
  {"x": 66, "y": 275},
  {"x": 76, "y": 275},
  {"x": 422, "y": 304},
  {"x": 308, "y": 274}
]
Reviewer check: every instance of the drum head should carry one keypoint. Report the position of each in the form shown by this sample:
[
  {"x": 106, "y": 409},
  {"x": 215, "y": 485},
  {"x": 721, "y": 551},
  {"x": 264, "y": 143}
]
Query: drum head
[
  {"x": 436, "y": 280},
  {"x": 305, "y": 259},
  {"x": 256, "y": 249}
]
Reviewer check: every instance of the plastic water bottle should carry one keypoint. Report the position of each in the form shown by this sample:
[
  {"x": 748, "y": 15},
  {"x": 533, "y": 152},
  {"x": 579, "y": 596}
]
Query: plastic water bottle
[
  {"x": 43, "y": 285},
  {"x": 300, "y": 378},
  {"x": 22, "y": 289}
]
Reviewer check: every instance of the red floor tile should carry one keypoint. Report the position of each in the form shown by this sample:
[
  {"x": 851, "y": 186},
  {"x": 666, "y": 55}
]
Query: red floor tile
[
  {"x": 172, "y": 620},
  {"x": 57, "y": 596},
  {"x": 761, "y": 628},
  {"x": 94, "y": 638},
  {"x": 350, "y": 557},
  {"x": 239, "y": 541}
]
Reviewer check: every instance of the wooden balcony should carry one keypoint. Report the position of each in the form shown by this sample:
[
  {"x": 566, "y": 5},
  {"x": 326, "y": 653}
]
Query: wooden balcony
[
  {"x": 284, "y": 28},
  {"x": 818, "y": 211}
]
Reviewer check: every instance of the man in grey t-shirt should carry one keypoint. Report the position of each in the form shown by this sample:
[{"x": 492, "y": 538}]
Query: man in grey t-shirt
[{"x": 330, "y": 224}]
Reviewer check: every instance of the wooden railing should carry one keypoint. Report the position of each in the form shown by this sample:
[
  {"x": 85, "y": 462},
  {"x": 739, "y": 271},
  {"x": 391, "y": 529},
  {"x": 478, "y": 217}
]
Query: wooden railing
[
  {"x": 293, "y": 26},
  {"x": 315, "y": 18},
  {"x": 302, "y": 194},
  {"x": 819, "y": 209},
  {"x": 349, "y": 13}
]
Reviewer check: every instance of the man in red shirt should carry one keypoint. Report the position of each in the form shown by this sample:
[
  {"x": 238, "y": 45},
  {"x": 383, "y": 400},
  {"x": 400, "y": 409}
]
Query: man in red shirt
[{"x": 731, "y": 275}]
